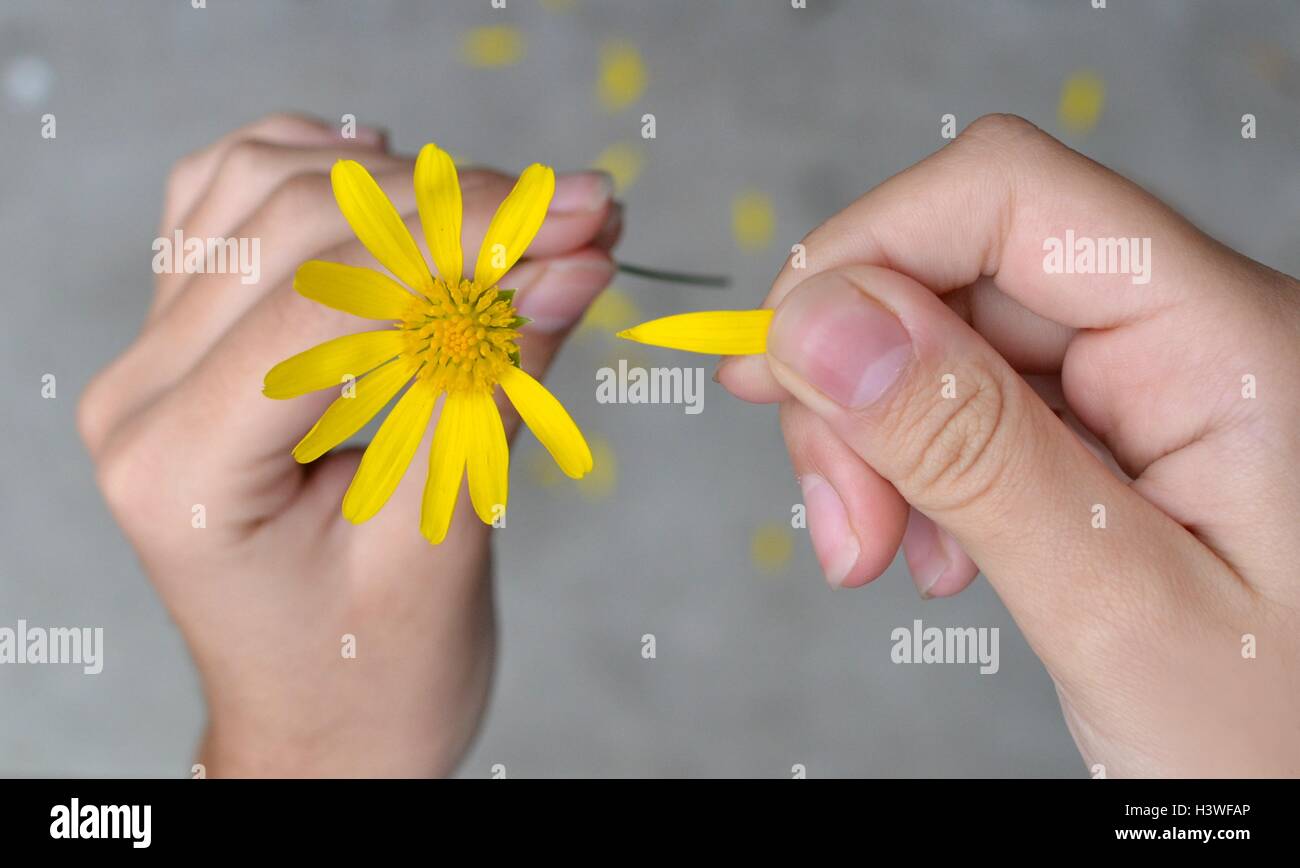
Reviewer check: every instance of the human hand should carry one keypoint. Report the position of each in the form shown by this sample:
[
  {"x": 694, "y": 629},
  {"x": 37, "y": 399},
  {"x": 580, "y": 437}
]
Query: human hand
[
  {"x": 1161, "y": 593},
  {"x": 268, "y": 588}
]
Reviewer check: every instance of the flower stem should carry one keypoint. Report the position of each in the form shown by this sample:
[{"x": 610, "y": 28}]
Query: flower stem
[{"x": 716, "y": 281}]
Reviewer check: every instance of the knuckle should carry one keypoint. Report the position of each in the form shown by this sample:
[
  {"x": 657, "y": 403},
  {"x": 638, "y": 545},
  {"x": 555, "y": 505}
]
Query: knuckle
[
  {"x": 1004, "y": 142},
  {"x": 136, "y": 476},
  {"x": 244, "y": 160},
  {"x": 121, "y": 475},
  {"x": 93, "y": 414},
  {"x": 284, "y": 124},
  {"x": 301, "y": 193},
  {"x": 183, "y": 177},
  {"x": 1000, "y": 129},
  {"x": 960, "y": 447}
]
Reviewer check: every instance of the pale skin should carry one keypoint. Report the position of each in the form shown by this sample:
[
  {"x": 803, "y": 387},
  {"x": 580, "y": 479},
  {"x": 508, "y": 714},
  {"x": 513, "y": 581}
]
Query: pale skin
[
  {"x": 268, "y": 591},
  {"x": 1186, "y": 391},
  {"x": 1139, "y": 623}
]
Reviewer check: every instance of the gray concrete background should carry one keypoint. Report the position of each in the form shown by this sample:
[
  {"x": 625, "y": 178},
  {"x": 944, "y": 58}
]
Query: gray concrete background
[{"x": 756, "y": 671}]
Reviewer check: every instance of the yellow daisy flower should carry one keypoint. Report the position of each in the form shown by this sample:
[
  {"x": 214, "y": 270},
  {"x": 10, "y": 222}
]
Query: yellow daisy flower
[
  {"x": 718, "y": 332},
  {"x": 452, "y": 336}
]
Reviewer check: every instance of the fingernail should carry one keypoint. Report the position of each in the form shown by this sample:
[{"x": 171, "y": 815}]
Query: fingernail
[
  {"x": 581, "y": 191},
  {"x": 611, "y": 228},
  {"x": 723, "y": 364},
  {"x": 372, "y": 135},
  {"x": 840, "y": 341},
  {"x": 927, "y": 556},
  {"x": 828, "y": 524},
  {"x": 563, "y": 291}
]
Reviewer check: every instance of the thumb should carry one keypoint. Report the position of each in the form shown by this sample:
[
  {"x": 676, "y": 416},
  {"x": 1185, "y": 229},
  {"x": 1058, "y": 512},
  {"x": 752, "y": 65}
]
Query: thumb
[{"x": 928, "y": 404}]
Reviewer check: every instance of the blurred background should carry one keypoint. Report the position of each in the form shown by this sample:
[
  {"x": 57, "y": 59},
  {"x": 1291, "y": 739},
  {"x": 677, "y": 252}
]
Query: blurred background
[{"x": 768, "y": 119}]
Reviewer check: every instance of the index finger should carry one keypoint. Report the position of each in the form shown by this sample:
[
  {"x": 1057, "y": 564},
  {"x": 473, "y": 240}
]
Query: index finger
[
  {"x": 193, "y": 173},
  {"x": 990, "y": 205}
]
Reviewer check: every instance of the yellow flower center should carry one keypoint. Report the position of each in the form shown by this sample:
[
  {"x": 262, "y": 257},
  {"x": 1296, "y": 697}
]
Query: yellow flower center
[{"x": 464, "y": 335}]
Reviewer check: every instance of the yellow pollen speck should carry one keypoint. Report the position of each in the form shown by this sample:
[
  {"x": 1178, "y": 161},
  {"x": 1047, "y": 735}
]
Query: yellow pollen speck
[
  {"x": 487, "y": 47},
  {"x": 622, "y": 75},
  {"x": 559, "y": 5},
  {"x": 623, "y": 162},
  {"x": 770, "y": 547},
  {"x": 752, "y": 220},
  {"x": 1082, "y": 98}
]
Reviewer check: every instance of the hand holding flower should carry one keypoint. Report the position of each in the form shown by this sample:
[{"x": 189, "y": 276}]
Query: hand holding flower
[{"x": 273, "y": 587}]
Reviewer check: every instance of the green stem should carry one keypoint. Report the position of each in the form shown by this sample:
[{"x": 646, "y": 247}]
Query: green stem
[{"x": 717, "y": 281}]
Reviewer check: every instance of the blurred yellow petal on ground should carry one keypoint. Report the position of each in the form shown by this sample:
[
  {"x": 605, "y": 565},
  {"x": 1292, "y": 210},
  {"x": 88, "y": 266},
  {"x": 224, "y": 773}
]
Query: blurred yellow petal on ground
[
  {"x": 542, "y": 470},
  {"x": 1083, "y": 96},
  {"x": 612, "y": 311},
  {"x": 622, "y": 75},
  {"x": 602, "y": 480},
  {"x": 623, "y": 162},
  {"x": 753, "y": 220},
  {"x": 496, "y": 46},
  {"x": 597, "y": 485},
  {"x": 770, "y": 547}
]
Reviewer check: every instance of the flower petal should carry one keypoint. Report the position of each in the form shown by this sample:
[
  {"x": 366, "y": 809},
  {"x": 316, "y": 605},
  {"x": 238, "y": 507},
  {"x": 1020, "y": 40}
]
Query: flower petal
[
  {"x": 515, "y": 224},
  {"x": 446, "y": 467},
  {"x": 549, "y": 421},
  {"x": 488, "y": 459},
  {"x": 326, "y": 365},
  {"x": 361, "y": 292},
  {"x": 377, "y": 224},
  {"x": 717, "y": 332},
  {"x": 347, "y": 415},
  {"x": 437, "y": 192},
  {"x": 389, "y": 454}
]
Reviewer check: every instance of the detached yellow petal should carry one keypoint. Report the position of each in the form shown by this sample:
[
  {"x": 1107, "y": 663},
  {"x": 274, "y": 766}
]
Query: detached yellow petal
[
  {"x": 549, "y": 421},
  {"x": 493, "y": 46},
  {"x": 488, "y": 462},
  {"x": 437, "y": 192},
  {"x": 515, "y": 224},
  {"x": 361, "y": 292},
  {"x": 377, "y": 224},
  {"x": 717, "y": 332},
  {"x": 622, "y": 75},
  {"x": 1083, "y": 96},
  {"x": 446, "y": 468},
  {"x": 753, "y": 220},
  {"x": 347, "y": 415},
  {"x": 389, "y": 454},
  {"x": 325, "y": 365}
]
